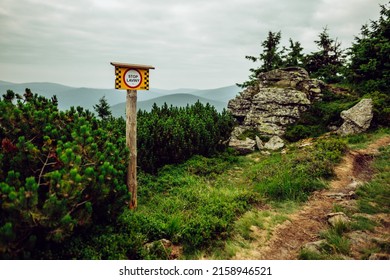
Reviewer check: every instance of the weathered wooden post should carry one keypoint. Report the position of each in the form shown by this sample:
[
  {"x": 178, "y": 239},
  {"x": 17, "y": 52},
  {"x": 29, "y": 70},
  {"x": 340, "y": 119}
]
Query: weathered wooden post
[{"x": 131, "y": 77}]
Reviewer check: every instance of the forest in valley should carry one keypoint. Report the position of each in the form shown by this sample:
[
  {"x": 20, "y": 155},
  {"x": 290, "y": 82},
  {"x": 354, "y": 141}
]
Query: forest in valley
[{"x": 63, "y": 192}]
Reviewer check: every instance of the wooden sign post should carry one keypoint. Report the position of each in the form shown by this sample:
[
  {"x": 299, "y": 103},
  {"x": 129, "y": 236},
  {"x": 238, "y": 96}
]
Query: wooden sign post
[{"x": 131, "y": 77}]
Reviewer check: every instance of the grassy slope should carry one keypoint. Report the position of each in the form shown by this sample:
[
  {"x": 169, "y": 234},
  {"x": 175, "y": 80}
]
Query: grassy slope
[
  {"x": 366, "y": 233},
  {"x": 204, "y": 204}
]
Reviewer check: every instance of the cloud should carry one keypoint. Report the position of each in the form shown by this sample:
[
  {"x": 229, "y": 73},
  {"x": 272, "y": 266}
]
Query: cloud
[{"x": 192, "y": 43}]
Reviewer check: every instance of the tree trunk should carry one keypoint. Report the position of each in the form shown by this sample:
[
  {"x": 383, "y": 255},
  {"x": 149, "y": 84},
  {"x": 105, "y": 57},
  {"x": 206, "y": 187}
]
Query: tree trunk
[{"x": 131, "y": 143}]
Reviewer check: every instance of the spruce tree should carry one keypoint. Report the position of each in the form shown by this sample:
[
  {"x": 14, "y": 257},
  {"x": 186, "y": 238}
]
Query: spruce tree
[
  {"x": 327, "y": 63},
  {"x": 271, "y": 57},
  {"x": 369, "y": 67},
  {"x": 103, "y": 108},
  {"x": 294, "y": 57}
]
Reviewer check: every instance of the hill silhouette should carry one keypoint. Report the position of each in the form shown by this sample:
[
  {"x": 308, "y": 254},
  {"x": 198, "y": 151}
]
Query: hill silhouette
[{"x": 87, "y": 97}]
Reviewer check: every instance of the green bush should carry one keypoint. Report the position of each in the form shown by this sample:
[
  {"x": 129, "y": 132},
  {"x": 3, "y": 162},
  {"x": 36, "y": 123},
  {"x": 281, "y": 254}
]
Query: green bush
[
  {"x": 381, "y": 104},
  {"x": 320, "y": 116},
  {"x": 369, "y": 67},
  {"x": 302, "y": 172},
  {"x": 59, "y": 172},
  {"x": 187, "y": 205},
  {"x": 169, "y": 135}
]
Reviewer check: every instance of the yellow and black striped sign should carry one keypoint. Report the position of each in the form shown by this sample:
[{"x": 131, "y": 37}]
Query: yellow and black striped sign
[{"x": 131, "y": 78}]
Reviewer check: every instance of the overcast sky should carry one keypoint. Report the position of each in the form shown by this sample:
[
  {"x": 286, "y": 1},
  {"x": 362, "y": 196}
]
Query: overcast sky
[{"x": 193, "y": 44}]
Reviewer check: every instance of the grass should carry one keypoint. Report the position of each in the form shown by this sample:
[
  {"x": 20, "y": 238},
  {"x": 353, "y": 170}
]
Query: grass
[
  {"x": 256, "y": 226},
  {"x": 302, "y": 173},
  {"x": 335, "y": 245},
  {"x": 363, "y": 224},
  {"x": 216, "y": 207},
  {"x": 373, "y": 198},
  {"x": 211, "y": 205},
  {"x": 362, "y": 140}
]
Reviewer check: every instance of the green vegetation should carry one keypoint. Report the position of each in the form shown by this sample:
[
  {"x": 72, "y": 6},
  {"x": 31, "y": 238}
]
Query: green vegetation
[
  {"x": 70, "y": 202},
  {"x": 103, "y": 108},
  {"x": 327, "y": 63},
  {"x": 322, "y": 115},
  {"x": 59, "y": 172},
  {"x": 62, "y": 174},
  {"x": 362, "y": 71},
  {"x": 169, "y": 135},
  {"x": 368, "y": 69},
  {"x": 202, "y": 203},
  {"x": 373, "y": 199},
  {"x": 302, "y": 171}
]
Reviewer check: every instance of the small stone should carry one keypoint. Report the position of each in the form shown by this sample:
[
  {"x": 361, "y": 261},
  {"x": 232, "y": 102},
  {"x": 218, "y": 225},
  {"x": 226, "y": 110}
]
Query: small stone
[
  {"x": 314, "y": 247},
  {"x": 337, "y": 218},
  {"x": 352, "y": 195},
  {"x": 354, "y": 185},
  {"x": 337, "y": 196},
  {"x": 341, "y": 196},
  {"x": 379, "y": 256}
]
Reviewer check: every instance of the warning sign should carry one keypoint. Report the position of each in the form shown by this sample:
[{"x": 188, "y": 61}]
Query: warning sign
[
  {"x": 129, "y": 78},
  {"x": 132, "y": 78}
]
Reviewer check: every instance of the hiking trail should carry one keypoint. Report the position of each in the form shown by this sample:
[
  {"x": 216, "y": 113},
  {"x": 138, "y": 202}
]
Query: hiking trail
[{"x": 304, "y": 226}]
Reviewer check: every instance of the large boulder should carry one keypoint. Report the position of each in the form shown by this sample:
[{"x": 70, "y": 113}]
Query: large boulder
[
  {"x": 243, "y": 146},
  {"x": 275, "y": 101},
  {"x": 357, "y": 119},
  {"x": 275, "y": 143}
]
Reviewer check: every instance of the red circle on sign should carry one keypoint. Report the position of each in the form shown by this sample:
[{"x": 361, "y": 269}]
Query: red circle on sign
[{"x": 128, "y": 82}]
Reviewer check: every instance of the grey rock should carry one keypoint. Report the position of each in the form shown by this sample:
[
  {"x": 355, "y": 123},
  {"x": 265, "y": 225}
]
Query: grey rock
[
  {"x": 357, "y": 119},
  {"x": 275, "y": 143},
  {"x": 259, "y": 143},
  {"x": 341, "y": 196},
  {"x": 314, "y": 247},
  {"x": 162, "y": 242},
  {"x": 336, "y": 218},
  {"x": 277, "y": 100},
  {"x": 243, "y": 146},
  {"x": 359, "y": 238}
]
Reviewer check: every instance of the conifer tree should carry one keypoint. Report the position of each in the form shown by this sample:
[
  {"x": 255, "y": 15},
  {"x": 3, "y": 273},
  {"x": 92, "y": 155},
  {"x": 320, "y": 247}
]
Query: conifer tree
[
  {"x": 369, "y": 67},
  {"x": 271, "y": 57},
  {"x": 327, "y": 63},
  {"x": 103, "y": 108},
  {"x": 294, "y": 57}
]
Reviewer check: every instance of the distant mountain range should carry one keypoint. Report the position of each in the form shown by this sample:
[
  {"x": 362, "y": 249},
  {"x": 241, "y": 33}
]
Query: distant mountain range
[{"x": 88, "y": 97}]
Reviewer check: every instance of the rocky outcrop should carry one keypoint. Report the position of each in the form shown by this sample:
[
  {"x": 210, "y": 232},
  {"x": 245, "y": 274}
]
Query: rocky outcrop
[
  {"x": 276, "y": 100},
  {"x": 357, "y": 119}
]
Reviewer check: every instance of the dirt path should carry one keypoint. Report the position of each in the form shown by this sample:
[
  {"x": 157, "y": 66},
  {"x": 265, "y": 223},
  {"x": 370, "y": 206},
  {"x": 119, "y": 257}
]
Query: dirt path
[{"x": 304, "y": 226}]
